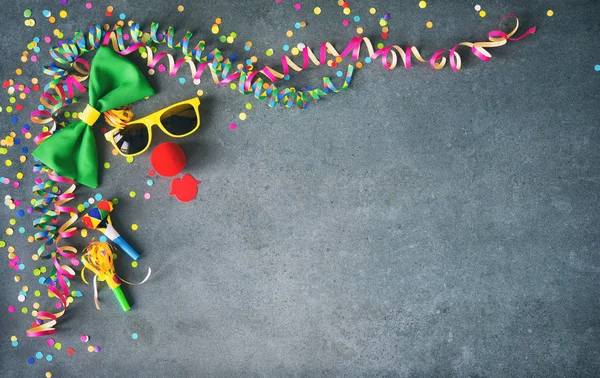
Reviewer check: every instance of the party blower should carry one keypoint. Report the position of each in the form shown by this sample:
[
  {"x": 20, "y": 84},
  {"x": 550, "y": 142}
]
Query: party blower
[
  {"x": 98, "y": 218},
  {"x": 99, "y": 259}
]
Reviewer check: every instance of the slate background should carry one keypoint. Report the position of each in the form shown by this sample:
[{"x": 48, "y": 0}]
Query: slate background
[{"x": 422, "y": 224}]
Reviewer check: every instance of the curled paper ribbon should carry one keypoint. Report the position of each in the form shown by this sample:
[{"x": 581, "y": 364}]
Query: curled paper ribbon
[{"x": 217, "y": 65}]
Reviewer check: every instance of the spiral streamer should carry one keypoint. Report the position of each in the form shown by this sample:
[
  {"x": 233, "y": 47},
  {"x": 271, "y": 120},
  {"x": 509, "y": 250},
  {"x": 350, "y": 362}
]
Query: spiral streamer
[{"x": 220, "y": 68}]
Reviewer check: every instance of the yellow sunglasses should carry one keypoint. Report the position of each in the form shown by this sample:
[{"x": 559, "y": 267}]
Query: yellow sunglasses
[{"x": 177, "y": 121}]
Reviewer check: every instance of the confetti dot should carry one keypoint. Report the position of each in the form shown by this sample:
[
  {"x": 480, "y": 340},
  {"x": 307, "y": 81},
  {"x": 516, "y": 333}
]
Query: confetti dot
[
  {"x": 422, "y": 4},
  {"x": 372, "y": 10},
  {"x": 482, "y": 13},
  {"x": 134, "y": 227},
  {"x": 180, "y": 8},
  {"x": 39, "y": 355},
  {"x": 134, "y": 264},
  {"x": 49, "y": 357},
  {"x": 11, "y": 309},
  {"x": 147, "y": 196},
  {"x": 129, "y": 159},
  {"x": 107, "y": 165},
  {"x": 97, "y": 349},
  {"x": 550, "y": 13},
  {"x": 48, "y": 374},
  {"x": 27, "y": 13},
  {"x": 477, "y": 8},
  {"x": 88, "y": 5},
  {"x": 298, "y": 6},
  {"x": 134, "y": 336},
  {"x": 269, "y": 52},
  {"x": 90, "y": 348},
  {"x": 232, "y": 126},
  {"x": 429, "y": 24},
  {"x": 63, "y": 14},
  {"x": 243, "y": 116},
  {"x": 70, "y": 351},
  {"x": 597, "y": 67},
  {"x": 317, "y": 10},
  {"x": 30, "y": 360},
  {"x": 359, "y": 30},
  {"x": 84, "y": 338},
  {"x": 132, "y": 194}
]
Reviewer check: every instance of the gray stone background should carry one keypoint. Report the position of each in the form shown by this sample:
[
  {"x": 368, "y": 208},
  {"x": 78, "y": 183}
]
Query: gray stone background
[{"x": 421, "y": 224}]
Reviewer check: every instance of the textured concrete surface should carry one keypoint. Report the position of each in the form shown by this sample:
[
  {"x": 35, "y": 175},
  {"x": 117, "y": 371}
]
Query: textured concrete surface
[{"x": 422, "y": 224}]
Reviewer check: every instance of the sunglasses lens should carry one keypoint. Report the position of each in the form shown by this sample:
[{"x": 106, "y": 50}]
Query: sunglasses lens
[
  {"x": 132, "y": 139},
  {"x": 180, "y": 120}
]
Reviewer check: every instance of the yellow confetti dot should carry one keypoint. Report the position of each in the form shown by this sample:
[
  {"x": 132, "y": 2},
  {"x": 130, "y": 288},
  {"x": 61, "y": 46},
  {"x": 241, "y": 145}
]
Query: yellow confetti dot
[
  {"x": 107, "y": 165},
  {"x": 134, "y": 264},
  {"x": 58, "y": 346},
  {"x": 81, "y": 208},
  {"x": 289, "y": 33},
  {"x": 372, "y": 10},
  {"x": 25, "y": 288},
  {"x": 232, "y": 86},
  {"x": 482, "y": 13},
  {"x": 295, "y": 51},
  {"x": 243, "y": 116},
  {"x": 134, "y": 227},
  {"x": 18, "y": 71},
  {"x": 115, "y": 151},
  {"x": 22, "y": 158},
  {"x": 129, "y": 159},
  {"x": 17, "y": 278},
  {"x": 359, "y": 30},
  {"x": 429, "y": 24},
  {"x": 269, "y": 52},
  {"x": 382, "y": 22},
  {"x": 230, "y": 39},
  {"x": 347, "y": 11},
  {"x": 48, "y": 374},
  {"x": 422, "y": 4},
  {"x": 9, "y": 231},
  {"x": 52, "y": 19},
  {"x": 180, "y": 8},
  {"x": 200, "y": 92},
  {"x": 19, "y": 175},
  {"x": 63, "y": 14},
  {"x": 35, "y": 258},
  {"x": 36, "y": 305},
  {"x": 90, "y": 348},
  {"x": 8, "y": 163},
  {"x": 215, "y": 29},
  {"x": 84, "y": 233},
  {"x": 30, "y": 239},
  {"x": 248, "y": 106},
  {"x": 132, "y": 194},
  {"x": 110, "y": 8},
  {"x": 550, "y": 13},
  {"x": 317, "y": 10}
]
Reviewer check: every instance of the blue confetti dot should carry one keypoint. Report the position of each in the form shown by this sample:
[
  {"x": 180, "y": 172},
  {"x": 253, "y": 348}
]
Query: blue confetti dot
[
  {"x": 15, "y": 343},
  {"x": 26, "y": 126},
  {"x": 286, "y": 47},
  {"x": 20, "y": 213},
  {"x": 368, "y": 59},
  {"x": 248, "y": 62},
  {"x": 30, "y": 360},
  {"x": 233, "y": 57},
  {"x": 39, "y": 355},
  {"x": 134, "y": 336},
  {"x": 41, "y": 280},
  {"x": 286, "y": 77},
  {"x": 24, "y": 150},
  {"x": 98, "y": 197},
  {"x": 86, "y": 204},
  {"x": 247, "y": 48},
  {"x": 46, "y": 13},
  {"x": 122, "y": 16},
  {"x": 49, "y": 357},
  {"x": 36, "y": 49},
  {"x": 150, "y": 182},
  {"x": 14, "y": 119},
  {"x": 21, "y": 230},
  {"x": 17, "y": 141},
  {"x": 339, "y": 74},
  {"x": 41, "y": 107},
  {"x": 36, "y": 39},
  {"x": 356, "y": 18},
  {"x": 297, "y": 25},
  {"x": 597, "y": 67},
  {"x": 102, "y": 239},
  {"x": 182, "y": 80},
  {"x": 21, "y": 266}
]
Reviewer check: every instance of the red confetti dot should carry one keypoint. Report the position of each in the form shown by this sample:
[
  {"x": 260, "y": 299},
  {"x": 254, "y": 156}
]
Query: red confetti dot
[
  {"x": 151, "y": 173},
  {"x": 36, "y": 87},
  {"x": 384, "y": 35},
  {"x": 6, "y": 84},
  {"x": 19, "y": 107},
  {"x": 70, "y": 351}
]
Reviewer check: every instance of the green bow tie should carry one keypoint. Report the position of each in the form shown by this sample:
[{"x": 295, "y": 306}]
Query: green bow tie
[{"x": 71, "y": 152}]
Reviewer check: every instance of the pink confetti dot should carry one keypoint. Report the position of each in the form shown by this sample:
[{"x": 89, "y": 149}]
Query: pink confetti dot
[
  {"x": 278, "y": 1},
  {"x": 161, "y": 68},
  {"x": 27, "y": 90},
  {"x": 88, "y": 5},
  {"x": 50, "y": 342},
  {"x": 38, "y": 180},
  {"x": 298, "y": 6},
  {"x": 47, "y": 39},
  {"x": 75, "y": 262},
  {"x": 11, "y": 308},
  {"x": 147, "y": 195},
  {"x": 232, "y": 126},
  {"x": 58, "y": 305},
  {"x": 34, "y": 58},
  {"x": 17, "y": 203},
  {"x": 16, "y": 184},
  {"x": 84, "y": 338},
  {"x": 346, "y": 22},
  {"x": 6, "y": 181}
]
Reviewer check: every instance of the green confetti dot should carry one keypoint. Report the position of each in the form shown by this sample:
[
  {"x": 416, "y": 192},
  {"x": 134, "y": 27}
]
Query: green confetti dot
[
  {"x": 107, "y": 165},
  {"x": 27, "y": 13}
]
